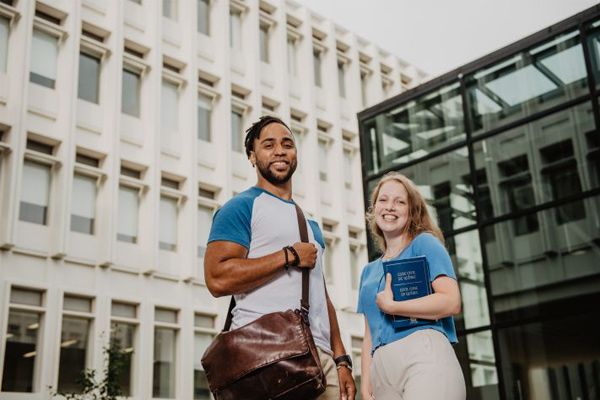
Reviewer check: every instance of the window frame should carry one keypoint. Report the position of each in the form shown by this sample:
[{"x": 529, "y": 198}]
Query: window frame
[
  {"x": 90, "y": 317},
  {"x": 40, "y": 310},
  {"x": 209, "y": 92},
  {"x": 176, "y": 327},
  {"x": 180, "y": 198},
  {"x": 53, "y": 163},
  {"x": 202, "y": 330},
  {"x": 136, "y": 338},
  {"x": 59, "y": 33}
]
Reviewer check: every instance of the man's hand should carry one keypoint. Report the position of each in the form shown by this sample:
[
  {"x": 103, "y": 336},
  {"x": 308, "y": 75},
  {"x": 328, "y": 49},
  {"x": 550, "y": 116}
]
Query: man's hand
[
  {"x": 307, "y": 253},
  {"x": 347, "y": 386}
]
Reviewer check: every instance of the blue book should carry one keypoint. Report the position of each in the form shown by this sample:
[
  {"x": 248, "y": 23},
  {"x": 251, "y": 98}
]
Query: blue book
[{"x": 410, "y": 280}]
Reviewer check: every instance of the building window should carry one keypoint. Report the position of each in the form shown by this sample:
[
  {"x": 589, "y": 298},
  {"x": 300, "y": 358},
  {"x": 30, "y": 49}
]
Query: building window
[
  {"x": 165, "y": 350},
  {"x": 129, "y": 204},
  {"x": 341, "y": 79},
  {"x": 328, "y": 261},
  {"x": 204, "y": 333},
  {"x": 204, "y": 117},
  {"x": 170, "y": 106},
  {"x": 21, "y": 340},
  {"x": 317, "y": 68},
  {"x": 363, "y": 88},
  {"x": 35, "y": 193},
  {"x": 89, "y": 78},
  {"x": 170, "y": 9},
  {"x": 74, "y": 340},
  {"x": 292, "y": 57},
  {"x": 354, "y": 268},
  {"x": 205, "y": 215},
  {"x": 4, "y": 31},
  {"x": 122, "y": 337},
  {"x": 83, "y": 204},
  {"x": 348, "y": 161},
  {"x": 561, "y": 177},
  {"x": 44, "y": 56},
  {"x": 203, "y": 17},
  {"x": 130, "y": 95},
  {"x": 323, "y": 160},
  {"x": 168, "y": 223},
  {"x": 235, "y": 29},
  {"x": 264, "y": 43},
  {"x": 517, "y": 186},
  {"x": 237, "y": 123}
]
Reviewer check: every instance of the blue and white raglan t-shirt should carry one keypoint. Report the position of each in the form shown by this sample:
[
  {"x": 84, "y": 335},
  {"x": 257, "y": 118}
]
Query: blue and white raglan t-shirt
[{"x": 264, "y": 223}]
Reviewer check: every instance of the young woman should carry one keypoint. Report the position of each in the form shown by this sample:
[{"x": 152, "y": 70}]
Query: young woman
[{"x": 415, "y": 363}]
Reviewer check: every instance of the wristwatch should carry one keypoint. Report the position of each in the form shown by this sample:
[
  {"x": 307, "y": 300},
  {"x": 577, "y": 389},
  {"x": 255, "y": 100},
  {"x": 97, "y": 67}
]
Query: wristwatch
[{"x": 343, "y": 361}]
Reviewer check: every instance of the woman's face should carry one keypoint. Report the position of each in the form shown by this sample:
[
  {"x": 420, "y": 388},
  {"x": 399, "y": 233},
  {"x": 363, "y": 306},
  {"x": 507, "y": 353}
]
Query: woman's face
[{"x": 391, "y": 208}]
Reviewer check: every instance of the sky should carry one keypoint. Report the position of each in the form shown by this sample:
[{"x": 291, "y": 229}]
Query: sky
[{"x": 440, "y": 35}]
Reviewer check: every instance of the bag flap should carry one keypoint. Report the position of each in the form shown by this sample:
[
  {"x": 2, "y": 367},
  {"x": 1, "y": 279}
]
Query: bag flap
[{"x": 270, "y": 338}]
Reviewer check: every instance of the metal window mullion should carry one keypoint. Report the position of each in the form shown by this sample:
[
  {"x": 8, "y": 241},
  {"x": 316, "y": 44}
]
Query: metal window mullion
[
  {"x": 158, "y": 324},
  {"x": 78, "y": 314},
  {"x": 591, "y": 79},
  {"x": 484, "y": 263},
  {"x": 125, "y": 320},
  {"x": 24, "y": 307}
]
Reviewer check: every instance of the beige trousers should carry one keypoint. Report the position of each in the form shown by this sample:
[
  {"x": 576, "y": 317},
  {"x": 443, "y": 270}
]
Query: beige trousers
[
  {"x": 332, "y": 392},
  {"x": 421, "y": 366}
]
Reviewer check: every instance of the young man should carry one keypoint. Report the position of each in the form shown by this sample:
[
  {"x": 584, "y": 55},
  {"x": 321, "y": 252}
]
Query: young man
[{"x": 245, "y": 255}]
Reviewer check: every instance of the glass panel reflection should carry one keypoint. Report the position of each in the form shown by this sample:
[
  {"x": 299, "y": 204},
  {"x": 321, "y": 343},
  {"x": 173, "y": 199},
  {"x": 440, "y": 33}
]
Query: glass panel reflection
[
  {"x": 548, "y": 159},
  {"x": 163, "y": 381},
  {"x": 20, "y": 351},
  {"x": 122, "y": 337},
  {"x": 555, "y": 359},
  {"x": 415, "y": 129},
  {"x": 593, "y": 44},
  {"x": 530, "y": 272},
  {"x": 73, "y": 349},
  {"x": 201, "y": 342},
  {"x": 526, "y": 83},
  {"x": 476, "y": 355},
  {"x": 465, "y": 252},
  {"x": 445, "y": 183}
]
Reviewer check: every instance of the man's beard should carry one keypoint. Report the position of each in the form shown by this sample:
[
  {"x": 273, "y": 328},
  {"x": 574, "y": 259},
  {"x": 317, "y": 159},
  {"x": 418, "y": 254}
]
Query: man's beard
[{"x": 266, "y": 173}]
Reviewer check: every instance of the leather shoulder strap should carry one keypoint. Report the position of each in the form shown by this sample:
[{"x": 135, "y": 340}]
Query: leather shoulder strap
[{"x": 304, "y": 302}]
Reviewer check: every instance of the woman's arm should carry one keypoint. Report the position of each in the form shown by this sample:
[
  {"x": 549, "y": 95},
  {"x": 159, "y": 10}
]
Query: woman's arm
[
  {"x": 443, "y": 302},
  {"x": 365, "y": 365}
]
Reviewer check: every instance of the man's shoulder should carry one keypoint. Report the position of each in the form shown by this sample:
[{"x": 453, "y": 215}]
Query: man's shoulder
[{"x": 243, "y": 199}]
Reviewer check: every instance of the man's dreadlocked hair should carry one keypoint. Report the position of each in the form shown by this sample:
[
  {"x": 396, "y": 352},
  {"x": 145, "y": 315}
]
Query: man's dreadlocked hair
[{"x": 253, "y": 132}]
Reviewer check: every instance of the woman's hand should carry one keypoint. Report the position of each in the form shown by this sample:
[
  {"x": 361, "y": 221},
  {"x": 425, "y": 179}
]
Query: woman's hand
[{"x": 385, "y": 299}]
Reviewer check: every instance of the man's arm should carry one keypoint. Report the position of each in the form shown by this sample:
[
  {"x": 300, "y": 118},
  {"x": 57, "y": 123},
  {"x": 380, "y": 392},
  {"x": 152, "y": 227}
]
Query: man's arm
[
  {"x": 347, "y": 386},
  {"x": 227, "y": 270}
]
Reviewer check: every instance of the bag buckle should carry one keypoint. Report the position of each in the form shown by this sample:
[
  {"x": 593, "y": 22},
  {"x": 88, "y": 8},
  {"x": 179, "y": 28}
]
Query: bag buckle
[{"x": 304, "y": 314}]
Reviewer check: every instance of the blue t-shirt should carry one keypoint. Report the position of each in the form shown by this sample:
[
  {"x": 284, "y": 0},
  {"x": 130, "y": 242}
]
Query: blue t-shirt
[
  {"x": 372, "y": 281},
  {"x": 264, "y": 223}
]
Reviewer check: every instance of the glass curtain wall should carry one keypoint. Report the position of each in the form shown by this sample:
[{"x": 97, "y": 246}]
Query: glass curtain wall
[{"x": 507, "y": 155}]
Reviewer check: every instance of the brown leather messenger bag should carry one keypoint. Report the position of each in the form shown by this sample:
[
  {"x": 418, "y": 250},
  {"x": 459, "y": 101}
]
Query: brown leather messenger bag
[{"x": 273, "y": 357}]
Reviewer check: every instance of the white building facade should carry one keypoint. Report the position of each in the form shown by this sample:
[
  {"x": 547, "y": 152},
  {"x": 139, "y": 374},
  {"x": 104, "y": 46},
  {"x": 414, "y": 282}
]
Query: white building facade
[{"x": 121, "y": 131}]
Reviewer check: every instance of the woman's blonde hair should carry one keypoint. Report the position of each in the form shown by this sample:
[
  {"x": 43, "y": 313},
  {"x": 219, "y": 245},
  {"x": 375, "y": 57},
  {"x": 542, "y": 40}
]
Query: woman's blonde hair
[{"x": 418, "y": 220}]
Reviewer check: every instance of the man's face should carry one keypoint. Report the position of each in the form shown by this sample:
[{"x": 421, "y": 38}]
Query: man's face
[{"x": 275, "y": 154}]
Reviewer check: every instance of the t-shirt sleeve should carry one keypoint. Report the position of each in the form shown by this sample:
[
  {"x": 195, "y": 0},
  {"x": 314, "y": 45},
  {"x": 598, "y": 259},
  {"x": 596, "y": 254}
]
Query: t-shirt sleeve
[
  {"x": 437, "y": 256},
  {"x": 232, "y": 223},
  {"x": 360, "y": 308},
  {"x": 317, "y": 233}
]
